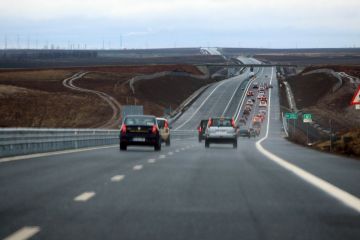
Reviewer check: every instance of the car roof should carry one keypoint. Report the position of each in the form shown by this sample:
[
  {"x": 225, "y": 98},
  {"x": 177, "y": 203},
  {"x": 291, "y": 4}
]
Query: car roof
[
  {"x": 225, "y": 118},
  {"x": 163, "y": 119},
  {"x": 140, "y": 116}
]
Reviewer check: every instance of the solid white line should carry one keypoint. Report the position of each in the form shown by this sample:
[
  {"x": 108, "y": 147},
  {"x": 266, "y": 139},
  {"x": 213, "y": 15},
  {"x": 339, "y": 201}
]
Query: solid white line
[
  {"x": 337, "y": 193},
  {"x": 117, "y": 178},
  {"x": 151, "y": 160},
  {"x": 138, "y": 167},
  {"x": 23, "y": 233},
  {"x": 84, "y": 196},
  {"x": 201, "y": 104},
  {"x": 37, "y": 155},
  {"x": 232, "y": 97}
]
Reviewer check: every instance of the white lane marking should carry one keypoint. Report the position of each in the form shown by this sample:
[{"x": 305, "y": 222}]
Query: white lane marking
[
  {"x": 84, "y": 196},
  {"x": 138, "y": 167},
  {"x": 232, "y": 97},
  {"x": 117, "y": 178},
  {"x": 37, "y": 155},
  {"x": 177, "y": 150},
  {"x": 151, "y": 160},
  {"x": 337, "y": 193},
  {"x": 170, "y": 153},
  {"x": 24, "y": 233},
  {"x": 201, "y": 104},
  {"x": 162, "y": 156},
  {"x": 182, "y": 149}
]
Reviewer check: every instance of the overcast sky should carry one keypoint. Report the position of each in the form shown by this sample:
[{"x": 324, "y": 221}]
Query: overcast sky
[{"x": 180, "y": 23}]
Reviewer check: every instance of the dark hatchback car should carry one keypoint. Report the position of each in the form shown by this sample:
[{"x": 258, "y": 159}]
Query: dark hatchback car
[
  {"x": 244, "y": 133},
  {"x": 201, "y": 129},
  {"x": 140, "y": 130}
]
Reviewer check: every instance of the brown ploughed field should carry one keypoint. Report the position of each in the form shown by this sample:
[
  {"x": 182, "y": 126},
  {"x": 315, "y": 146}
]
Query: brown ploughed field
[{"x": 37, "y": 98}]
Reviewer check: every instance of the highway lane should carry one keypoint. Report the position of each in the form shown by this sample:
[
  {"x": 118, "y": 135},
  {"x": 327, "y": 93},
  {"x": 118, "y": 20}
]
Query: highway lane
[
  {"x": 212, "y": 102},
  {"x": 221, "y": 99},
  {"x": 187, "y": 192}
]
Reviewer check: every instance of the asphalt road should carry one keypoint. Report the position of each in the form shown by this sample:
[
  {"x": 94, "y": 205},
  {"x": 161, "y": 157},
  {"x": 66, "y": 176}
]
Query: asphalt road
[{"x": 186, "y": 191}]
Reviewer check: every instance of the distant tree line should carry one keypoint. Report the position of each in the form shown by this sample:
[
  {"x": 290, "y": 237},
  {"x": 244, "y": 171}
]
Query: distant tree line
[{"x": 22, "y": 55}]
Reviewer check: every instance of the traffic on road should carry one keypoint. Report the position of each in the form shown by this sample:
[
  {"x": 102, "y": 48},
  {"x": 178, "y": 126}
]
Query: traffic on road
[{"x": 221, "y": 170}]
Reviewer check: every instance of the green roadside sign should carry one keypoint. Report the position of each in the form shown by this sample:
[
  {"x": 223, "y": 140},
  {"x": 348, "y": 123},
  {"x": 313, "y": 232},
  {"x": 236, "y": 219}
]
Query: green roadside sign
[
  {"x": 307, "y": 117},
  {"x": 289, "y": 115}
]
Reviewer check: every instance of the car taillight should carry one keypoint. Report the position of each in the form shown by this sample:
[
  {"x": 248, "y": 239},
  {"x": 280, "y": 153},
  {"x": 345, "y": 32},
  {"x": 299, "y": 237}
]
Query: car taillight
[
  {"x": 154, "y": 129},
  {"x": 232, "y": 122},
  {"x": 210, "y": 122},
  {"x": 123, "y": 129}
]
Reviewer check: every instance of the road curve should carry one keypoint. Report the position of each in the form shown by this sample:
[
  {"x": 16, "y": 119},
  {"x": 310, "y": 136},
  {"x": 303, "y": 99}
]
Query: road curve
[{"x": 114, "y": 121}]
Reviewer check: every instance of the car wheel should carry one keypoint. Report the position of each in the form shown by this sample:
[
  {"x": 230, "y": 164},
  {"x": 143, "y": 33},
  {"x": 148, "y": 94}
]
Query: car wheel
[
  {"x": 207, "y": 144},
  {"x": 168, "y": 141},
  {"x": 123, "y": 147},
  {"x": 157, "y": 146}
]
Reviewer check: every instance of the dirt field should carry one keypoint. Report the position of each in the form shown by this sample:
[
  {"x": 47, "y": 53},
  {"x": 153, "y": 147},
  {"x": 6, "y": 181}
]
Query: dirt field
[
  {"x": 37, "y": 98},
  {"x": 309, "y": 59},
  {"x": 353, "y": 70},
  {"x": 313, "y": 94}
]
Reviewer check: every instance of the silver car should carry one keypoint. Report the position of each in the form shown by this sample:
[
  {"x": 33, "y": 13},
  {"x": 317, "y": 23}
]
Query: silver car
[{"x": 221, "y": 130}]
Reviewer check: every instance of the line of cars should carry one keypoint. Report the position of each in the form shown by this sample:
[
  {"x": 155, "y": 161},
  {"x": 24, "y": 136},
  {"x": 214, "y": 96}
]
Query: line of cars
[
  {"x": 144, "y": 130},
  {"x": 225, "y": 130},
  {"x": 259, "y": 117},
  {"x": 147, "y": 130}
]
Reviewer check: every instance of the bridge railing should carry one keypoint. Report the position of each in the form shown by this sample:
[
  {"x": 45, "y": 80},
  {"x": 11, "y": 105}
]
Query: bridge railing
[{"x": 22, "y": 141}]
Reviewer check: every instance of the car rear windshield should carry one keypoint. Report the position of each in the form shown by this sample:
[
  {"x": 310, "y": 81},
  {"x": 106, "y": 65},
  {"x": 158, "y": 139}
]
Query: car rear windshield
[
  {"x": 221, "y": 123},
  {"x": 139, "y": 121},
  {"x": 161, "y": 123},
  {"x": 204, "y": 123}
]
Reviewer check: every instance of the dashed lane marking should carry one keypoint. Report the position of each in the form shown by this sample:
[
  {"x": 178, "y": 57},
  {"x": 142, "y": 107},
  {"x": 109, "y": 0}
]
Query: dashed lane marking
[
  {"x": 162, "y": 156},
  {"x": 177, "y": 150},
  {"x": 170, "y": 153},
  {"x": 151, "y": 160},
  {"x": 84, "y": 197},
  {"x": 117, "y": 178},
  {"x": 24, "y": 233},
  {"x": 138, "y": 167}
]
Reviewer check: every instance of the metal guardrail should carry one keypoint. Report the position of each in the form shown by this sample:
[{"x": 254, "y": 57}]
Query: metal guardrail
[{"x": 22, "y": 141}]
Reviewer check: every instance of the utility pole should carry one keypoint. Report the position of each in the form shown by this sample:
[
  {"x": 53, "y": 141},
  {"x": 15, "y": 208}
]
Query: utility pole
[
  {"x": 330, "y": 136},
  {"x": 121, "y": 41},
  {"x": 307, "y": 134}
]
